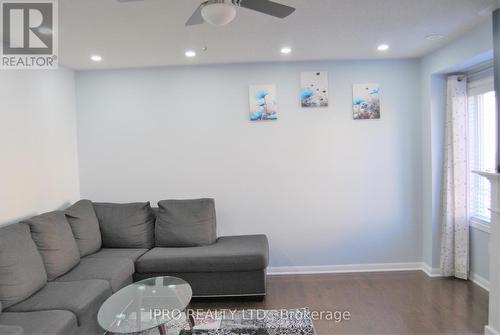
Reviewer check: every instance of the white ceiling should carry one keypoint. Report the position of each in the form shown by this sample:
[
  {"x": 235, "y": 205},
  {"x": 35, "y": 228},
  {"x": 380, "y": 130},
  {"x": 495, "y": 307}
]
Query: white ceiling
[{"x": 152, "y": 32}]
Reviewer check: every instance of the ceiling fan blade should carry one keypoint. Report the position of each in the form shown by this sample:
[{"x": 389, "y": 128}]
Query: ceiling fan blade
[
  {"x": 266, "y": 7},
  {"x": 196, "y": 18}
]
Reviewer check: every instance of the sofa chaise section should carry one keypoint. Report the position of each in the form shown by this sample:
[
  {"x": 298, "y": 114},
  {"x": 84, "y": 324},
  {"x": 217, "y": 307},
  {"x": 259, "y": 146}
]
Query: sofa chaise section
[
  {"x": 233, "y": 265},
  {"x": 186, "y": 246},
  {"x": 228, "y": 253}
]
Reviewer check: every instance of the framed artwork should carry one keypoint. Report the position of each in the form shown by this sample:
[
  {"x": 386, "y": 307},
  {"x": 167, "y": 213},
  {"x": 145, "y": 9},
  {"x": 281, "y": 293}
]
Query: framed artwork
[
  {"x": 314, "y": 89},
  {"x": 263, "y": 105},
  {"x": 366, "y": 101}
]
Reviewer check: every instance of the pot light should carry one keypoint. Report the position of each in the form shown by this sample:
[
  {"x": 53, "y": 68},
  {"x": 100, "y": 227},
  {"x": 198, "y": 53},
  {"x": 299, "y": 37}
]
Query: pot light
[
  {"x": 218, "y": 14},
  {"x": 286, "y": 50},
  {"x": 434, "y": 37},
  {"x": 190, "y": 54},
  {"x": 383, "y": 47},
  {"x": 96, "y": 58}
]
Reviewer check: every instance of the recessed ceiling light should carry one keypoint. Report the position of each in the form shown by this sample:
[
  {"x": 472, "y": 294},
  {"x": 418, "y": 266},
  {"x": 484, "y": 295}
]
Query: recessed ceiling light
[
  {"x": 434, "y": 37},
  {"x": 286, "y": 50},
  {"x": 383, "y": 47},
  {"x": 96, "y": 58},
  {"x": 190, "y": 54}
]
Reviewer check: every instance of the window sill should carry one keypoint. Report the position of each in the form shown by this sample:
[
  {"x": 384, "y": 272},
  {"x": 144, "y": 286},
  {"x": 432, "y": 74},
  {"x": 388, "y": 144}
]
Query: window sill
[{"x": 481, "y": 225}]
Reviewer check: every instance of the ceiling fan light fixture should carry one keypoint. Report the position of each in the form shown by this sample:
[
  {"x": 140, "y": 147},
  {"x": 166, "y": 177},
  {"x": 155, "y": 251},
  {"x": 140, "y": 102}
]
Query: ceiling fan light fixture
[{"x": 218, "y": 14}]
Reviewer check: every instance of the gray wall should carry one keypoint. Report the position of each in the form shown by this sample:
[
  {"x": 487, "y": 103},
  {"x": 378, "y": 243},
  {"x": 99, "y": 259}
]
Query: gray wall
[
  {"x": 326, "y": 189},
  {"x": 38, "y": 161}
]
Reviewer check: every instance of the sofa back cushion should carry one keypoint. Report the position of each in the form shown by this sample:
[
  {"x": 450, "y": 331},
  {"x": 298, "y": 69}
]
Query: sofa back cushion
[
  {"x": 83, "y": 221},
  {"x": 21, "y": 266},
  {"x": 126, "y": 225},
  {"x": 55, "y": 241},
  {"x": 185, "y": 223}
]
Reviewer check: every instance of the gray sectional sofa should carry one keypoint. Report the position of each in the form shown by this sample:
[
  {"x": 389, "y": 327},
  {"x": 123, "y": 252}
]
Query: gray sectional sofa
[{"x": 57, "y": 268}]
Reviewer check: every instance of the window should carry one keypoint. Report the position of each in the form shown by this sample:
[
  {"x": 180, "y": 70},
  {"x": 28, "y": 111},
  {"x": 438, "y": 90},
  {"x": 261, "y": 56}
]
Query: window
[{"x": 481, "y": 138}]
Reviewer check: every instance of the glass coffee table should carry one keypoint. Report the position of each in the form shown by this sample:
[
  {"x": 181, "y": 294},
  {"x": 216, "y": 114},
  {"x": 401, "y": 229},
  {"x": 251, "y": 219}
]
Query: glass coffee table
[{"x": 151, "y": 303}]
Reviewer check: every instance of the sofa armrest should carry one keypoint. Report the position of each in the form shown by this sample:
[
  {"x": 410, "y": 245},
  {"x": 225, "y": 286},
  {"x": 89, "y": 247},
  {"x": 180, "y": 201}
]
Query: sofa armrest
[{"x": 11, "y": 330}]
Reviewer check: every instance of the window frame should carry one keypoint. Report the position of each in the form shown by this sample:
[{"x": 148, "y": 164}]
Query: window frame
[
  {"x": 479, "y": 224},
  {"x": 481, "y": 83}
]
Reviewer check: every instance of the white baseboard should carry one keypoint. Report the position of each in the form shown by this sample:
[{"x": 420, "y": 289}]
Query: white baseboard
[
  {"x": 490, "y": 331},
  {"x": 480, "y": 281},
  {"x": 316, "y": 269},
  {"x": 376, "y": 267},
  {"x": 473, "y": 277},
  {"x": 430, "y": 271}
]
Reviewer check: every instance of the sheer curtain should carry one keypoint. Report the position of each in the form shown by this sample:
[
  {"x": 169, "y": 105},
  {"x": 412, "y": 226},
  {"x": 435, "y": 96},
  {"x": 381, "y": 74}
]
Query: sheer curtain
[{"x": 455, "y": 221}]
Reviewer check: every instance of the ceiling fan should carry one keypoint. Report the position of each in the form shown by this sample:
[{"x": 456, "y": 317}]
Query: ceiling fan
[{"x": 222, "y": 12}]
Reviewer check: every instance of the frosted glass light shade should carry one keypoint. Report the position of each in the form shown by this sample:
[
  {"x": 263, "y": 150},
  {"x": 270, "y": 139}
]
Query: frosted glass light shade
[{"x": 218, "y": 14}]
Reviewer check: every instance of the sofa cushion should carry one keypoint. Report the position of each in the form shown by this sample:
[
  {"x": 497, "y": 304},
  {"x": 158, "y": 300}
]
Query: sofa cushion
[
  {"x": 132, "y": 254},
  {"x": 117, "y": 271},
  {"x": 126, "y": 225},
  {"x": 10, "y": 330},
  {"x": 41, "y": 322},
  {"x": 230, "y": 253},
  {"x": 22, "y": 272},
  {"x": 185, "y": 223},
  {"x": 83, "y": 221},
  {"x": 83, "y": 298},
  {"x": 55, "y": 241}
]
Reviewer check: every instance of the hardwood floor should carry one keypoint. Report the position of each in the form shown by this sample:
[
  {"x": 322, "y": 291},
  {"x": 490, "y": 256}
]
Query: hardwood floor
[{"x": 379, "y": 303}]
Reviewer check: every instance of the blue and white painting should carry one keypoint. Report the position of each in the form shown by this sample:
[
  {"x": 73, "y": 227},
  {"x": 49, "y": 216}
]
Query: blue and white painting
[
  {"x": 314, "y": 89},
  {"x": 263, "y": 105},
  {"x": 366, "y": 101}
]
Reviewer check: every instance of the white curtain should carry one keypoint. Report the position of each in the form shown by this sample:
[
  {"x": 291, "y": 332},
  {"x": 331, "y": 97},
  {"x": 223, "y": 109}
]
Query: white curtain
[{"x": 455, "y": 221}]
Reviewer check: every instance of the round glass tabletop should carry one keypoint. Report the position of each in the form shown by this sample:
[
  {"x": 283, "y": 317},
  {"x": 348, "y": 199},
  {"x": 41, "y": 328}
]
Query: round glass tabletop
[{"x": 144, "y": 305}]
